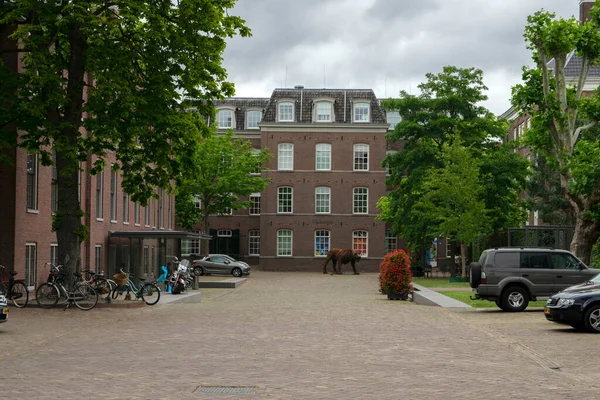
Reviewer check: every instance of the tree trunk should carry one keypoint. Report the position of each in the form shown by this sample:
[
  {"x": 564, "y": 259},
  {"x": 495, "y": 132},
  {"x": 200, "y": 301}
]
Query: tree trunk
[
  {"x": 584, "y": 237},
  {"x": 67, "y": 221},
  {"x": 463, "y": 258}
]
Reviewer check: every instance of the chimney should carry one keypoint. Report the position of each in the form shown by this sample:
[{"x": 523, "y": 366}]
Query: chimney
[{"x": 584, "y": 9}]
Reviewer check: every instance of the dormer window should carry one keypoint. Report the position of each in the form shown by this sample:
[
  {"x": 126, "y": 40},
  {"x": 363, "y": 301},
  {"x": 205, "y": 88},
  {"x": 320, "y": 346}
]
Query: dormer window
[
  {"x": 286, "y": 112},
  {"x": 225, "y": 119},
  {"x": 323, "y": 111},
  {"x": 253, "y": 117},
  {"x": 361, "y": 112}
]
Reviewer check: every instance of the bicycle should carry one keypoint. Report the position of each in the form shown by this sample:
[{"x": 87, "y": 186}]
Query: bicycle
[
  {"x": 99, "y": 282},
  {"x": 16, "y": 291},
  {"x": 48, "y": 294},
  {"x": 149, "y": 292}
]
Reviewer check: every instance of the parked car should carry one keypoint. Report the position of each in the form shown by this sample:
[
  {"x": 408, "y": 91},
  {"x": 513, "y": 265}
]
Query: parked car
[
  {"x": 220, "y": 264},
  {"x": 578, "y": 306},
  {"x": 512, "y": 277},
  {"x": 3, "y": 309}
]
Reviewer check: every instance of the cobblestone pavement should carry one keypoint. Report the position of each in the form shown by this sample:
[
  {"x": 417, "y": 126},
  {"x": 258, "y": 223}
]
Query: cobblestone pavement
[{"x": 294, "y": 336}]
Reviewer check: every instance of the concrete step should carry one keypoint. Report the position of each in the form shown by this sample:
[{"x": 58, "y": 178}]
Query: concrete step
[
  {"x": 428, "y": 297},
  {"x": 230, "y": 283}
]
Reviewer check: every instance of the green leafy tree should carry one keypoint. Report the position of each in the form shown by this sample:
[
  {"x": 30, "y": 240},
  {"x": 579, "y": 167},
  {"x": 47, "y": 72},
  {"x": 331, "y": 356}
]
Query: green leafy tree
[
  {"x": 563, "y": 115},
  {"x": 221, "y": 171},
  {"x": 447, "y": 110},
  {"x": 119, "y": 70},
  {"x": 452, "y": 204}
]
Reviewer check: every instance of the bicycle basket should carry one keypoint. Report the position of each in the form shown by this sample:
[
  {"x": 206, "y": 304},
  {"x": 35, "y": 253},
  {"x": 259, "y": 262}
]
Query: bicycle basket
[{"x": 120, "y": 279}]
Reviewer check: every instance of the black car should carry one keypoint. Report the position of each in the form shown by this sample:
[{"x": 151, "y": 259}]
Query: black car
[{"x": 578, "y": 306}]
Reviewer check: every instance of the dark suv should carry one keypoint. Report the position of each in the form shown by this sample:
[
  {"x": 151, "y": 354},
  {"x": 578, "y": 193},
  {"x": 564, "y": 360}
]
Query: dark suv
[{"x": 512, "y": 277}]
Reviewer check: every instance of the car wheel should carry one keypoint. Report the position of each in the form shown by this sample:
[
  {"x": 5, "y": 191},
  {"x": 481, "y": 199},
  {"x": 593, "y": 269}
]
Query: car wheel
[
  {"x": 237, "y": 272},
  {"x": 592, "y": 319},
  {"x": 475, "y": 275},
  {"x": 514, "y": 299},
  {"x": 198, "y": 271}
]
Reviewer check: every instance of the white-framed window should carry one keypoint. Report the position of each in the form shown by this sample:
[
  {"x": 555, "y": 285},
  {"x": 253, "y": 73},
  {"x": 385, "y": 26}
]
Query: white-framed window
[
  {"x": 528, "y": 123},
  {"x": 30, "y": 264},
  {"x": 388, "y": 168},
  {"x": 521, "y": 126},
  {"x": 161, "y": 210},
  {"x": 393, "y": 118},
  {"x": 54, "y": 254},
  {"x": 322, "y": 200},
  {"x": 125, "y": 207},
  {"x": 391, "y": 242},
  {"x": 285, "y": 199},
  {"x": 146, "y": 258},
  {"x": 147, "y": 212},
  {"x": 322, "y": 243},
  {"x": 113, "y": 196},
  {"x": 198, "y": 203},
  {"x": 254, "y": 243},
  {"x": 324, "y": 111},
  {"x": 136, "y": 213},
  {"x": 255, "y": 206},
  {"x": 224, "y": 233},
  {"x": 285, "y": 156},
  {"x": 284, "y": 242},
  {"x": 32, "y": 181},
  {"x": 154, "y": 212},
  {"x": 190, "y": 246},
  {"x": 225, "y": 119},
  {"x": 448, "y": 248},
  {"x": 98, "y": 258},
  {"x": 170, "y": 213},
  {"x": 361, "y": 112},
  {"x": 361, "y": 157},
  {"x": 253, "y": 117},
  {"x": 99, "y": 195},
  {"x": 54, "y": 190},
  {"x": 536, "y": 218},
  {"x": 258, "y": 169},
  {"x": 360, "y": 200},
  {"x": 515, "y": 137},
  {"x": 286, "y": 112},
  {"x": 360, "y": 242},
  {"x": 323, "y": 157}
]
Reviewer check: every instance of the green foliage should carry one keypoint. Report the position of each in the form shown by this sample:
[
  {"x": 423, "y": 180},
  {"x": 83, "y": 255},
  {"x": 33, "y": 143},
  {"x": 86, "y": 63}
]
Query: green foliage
[
  {"x": 221, "y": 171},
  {"x": 448, "y": 110},
  {"x": 135, "y": 75},
  {"x": 395, "y": 275}
]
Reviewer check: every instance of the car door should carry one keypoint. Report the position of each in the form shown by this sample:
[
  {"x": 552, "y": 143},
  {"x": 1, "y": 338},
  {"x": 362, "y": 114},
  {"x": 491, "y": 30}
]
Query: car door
[
  {"x": 537, "y": 269},
  {"x": 568, "y": 271},
  {"x": 219, "y": 265}
]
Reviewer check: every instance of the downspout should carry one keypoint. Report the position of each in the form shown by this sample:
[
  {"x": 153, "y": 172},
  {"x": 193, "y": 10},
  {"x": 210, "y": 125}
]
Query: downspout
[{"x": 344, "y": 106}]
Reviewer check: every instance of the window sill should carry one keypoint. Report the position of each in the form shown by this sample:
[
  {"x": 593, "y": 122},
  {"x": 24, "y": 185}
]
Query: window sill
[
  {"x": 136, "y": 224},
  {"x": 125, "y": 223},
  {"x": 32, "y": 211},
  {"x": 146, "y": 226},
  {"x": 113, "y": 221},
  {"x": 99, "y": 219}
]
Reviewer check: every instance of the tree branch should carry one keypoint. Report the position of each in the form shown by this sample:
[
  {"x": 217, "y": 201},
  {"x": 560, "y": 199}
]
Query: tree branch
[{"x": 575, "y": 136}]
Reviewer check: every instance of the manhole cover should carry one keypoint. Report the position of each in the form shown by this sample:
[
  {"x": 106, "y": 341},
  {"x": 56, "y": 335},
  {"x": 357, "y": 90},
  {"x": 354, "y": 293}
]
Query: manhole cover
[{"x": 228, "y": 389}]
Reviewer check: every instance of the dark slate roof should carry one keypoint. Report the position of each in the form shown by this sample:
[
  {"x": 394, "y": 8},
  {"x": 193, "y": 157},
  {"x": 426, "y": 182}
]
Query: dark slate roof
[
  {"x": 241, "y": 105},
  {"x": 573, "y": 67},
  {"x": 307, "y": 96}
]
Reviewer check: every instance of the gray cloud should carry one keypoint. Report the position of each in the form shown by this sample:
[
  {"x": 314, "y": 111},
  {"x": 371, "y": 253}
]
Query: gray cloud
[{"x": 385, "y": 45}]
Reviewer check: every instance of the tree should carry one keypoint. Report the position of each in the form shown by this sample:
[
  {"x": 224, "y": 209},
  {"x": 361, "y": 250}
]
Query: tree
[
  {"x": 221, "y": 171},
  {"x": 562, "y": 115},
  {"x": 452, "y": 203},
  {"x": 447, "y": 110},
  {"x": 122, "y": 71}
]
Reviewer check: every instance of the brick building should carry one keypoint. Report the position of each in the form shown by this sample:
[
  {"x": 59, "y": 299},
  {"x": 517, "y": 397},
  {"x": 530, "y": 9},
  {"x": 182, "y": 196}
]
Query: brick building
[
  {"x": 121, "y": 233},
  {"x": 326, "y": 175}
]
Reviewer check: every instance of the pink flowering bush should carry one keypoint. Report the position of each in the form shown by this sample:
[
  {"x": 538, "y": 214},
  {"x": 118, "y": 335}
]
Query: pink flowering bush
[{"x": 395, "y": 275}]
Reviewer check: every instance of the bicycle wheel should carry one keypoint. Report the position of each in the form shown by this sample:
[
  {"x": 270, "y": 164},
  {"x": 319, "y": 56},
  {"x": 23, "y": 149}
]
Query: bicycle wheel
[
  {"x": 47, "y": 295},
  {"x": 85, "y": 297},
  {"x": 19, "y": 294},
  {"x": 150, "y": 293},
  {"x": 101, "y": 286},
  {"x": 118, "y": 291}
]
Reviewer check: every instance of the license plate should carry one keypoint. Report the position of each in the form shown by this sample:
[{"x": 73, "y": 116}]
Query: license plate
[
  {"x": 546, "y": 311},
  {"x": 6, "y": 310}
]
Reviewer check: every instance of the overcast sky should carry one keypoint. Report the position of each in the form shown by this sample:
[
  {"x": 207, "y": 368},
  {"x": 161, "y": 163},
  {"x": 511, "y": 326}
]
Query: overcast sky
[{"x": 384, "y": 45}]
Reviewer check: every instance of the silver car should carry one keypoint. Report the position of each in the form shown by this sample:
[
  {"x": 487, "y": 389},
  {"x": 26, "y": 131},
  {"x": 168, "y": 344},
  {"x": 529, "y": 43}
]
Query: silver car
[{"x": 220, "y": 264}]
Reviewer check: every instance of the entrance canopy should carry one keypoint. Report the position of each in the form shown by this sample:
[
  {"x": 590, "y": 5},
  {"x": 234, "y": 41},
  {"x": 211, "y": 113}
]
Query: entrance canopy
[{"x": 159, "y": 235}]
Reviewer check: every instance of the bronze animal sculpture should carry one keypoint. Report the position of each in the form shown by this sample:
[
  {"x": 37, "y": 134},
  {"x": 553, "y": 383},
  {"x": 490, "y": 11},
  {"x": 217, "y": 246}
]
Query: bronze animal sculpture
[{"x": 344, "y": 256}]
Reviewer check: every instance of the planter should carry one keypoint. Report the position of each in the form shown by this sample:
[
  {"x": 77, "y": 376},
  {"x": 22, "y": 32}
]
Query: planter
[
  {"x": 397, "y": 296},
  {"x": 458, "y": 279}
]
